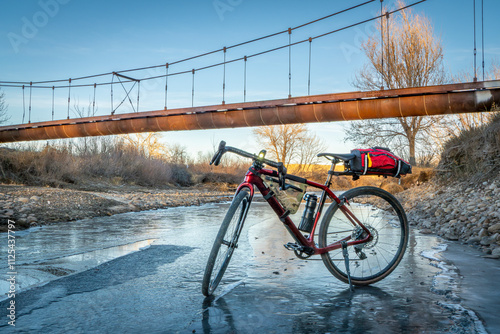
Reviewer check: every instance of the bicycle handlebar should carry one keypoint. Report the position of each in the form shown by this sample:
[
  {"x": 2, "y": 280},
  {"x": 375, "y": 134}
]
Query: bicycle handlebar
[{"x": 223, "y": 149}]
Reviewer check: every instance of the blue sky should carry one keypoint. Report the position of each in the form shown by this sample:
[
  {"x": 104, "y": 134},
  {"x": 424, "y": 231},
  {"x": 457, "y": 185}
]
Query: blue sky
[{"x": 61, "y": 39}]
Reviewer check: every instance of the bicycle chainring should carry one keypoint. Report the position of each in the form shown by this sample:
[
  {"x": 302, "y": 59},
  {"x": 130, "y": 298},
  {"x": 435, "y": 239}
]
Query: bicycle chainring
[{"x": 301, "y": 254}]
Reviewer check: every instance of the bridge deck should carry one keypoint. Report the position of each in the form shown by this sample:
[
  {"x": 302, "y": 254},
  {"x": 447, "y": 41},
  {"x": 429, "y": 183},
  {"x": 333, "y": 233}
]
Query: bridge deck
[{"x": 421, "y": 101}]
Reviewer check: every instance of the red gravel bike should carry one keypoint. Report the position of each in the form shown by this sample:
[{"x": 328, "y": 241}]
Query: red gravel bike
[{"x": 362, "y": 236}]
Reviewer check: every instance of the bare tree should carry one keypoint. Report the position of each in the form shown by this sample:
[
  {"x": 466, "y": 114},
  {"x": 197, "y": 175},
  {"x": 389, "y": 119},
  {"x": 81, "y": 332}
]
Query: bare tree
[
  {"x": 147, "y": 144},
  {"x": 289, "y": 143},
  {"x": 411, "y": 57},
  {"x": 309, "y": 147},
  {"x": 177, "y": 154},
  {"x": 3, "y": 109}
]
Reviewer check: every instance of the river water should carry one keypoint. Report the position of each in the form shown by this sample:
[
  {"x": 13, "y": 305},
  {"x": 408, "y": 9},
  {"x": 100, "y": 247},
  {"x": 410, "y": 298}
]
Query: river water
[{"x": 266, "y": 289}]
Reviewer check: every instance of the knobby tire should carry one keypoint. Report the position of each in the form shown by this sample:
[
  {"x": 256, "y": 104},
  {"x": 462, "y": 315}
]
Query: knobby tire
[
  {"x": 226, "y": 242},
  {"x": 372, "y": 261}
]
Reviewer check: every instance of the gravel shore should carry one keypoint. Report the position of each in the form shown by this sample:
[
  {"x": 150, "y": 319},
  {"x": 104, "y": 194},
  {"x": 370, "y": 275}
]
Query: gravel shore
[
  {"x": 469, "y": 213},
  {"x": 34, "y": 206}
]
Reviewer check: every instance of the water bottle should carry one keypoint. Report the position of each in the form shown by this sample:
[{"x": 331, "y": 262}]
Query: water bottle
[{"x": 307, "y": 220}]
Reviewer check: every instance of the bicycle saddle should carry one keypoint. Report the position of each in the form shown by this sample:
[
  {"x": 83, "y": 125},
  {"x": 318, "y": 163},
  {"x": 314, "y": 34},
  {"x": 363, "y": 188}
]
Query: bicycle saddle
[{"x": 343, "y": 157}]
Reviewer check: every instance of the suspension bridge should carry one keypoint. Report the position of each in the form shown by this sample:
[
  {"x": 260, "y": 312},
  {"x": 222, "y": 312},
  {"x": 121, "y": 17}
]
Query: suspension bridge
[{"x": 420, "y": 101}]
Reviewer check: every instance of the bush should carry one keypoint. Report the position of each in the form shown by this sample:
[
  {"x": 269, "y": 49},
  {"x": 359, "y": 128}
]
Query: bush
[{"x": 58, "y": 167}]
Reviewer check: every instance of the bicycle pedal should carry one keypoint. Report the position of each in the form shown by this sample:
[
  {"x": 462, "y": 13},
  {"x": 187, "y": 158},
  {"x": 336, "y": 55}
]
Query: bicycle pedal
[{"x": 291, "y": 246}]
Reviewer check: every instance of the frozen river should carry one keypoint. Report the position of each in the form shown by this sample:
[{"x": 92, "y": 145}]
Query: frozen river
[{"x": 142, "y": 272}]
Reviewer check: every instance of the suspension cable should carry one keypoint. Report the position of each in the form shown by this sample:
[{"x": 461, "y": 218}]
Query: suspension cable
[
  {"x": 382, "y": 45},
  {"x": 69, "y": 95},
  {"x": 53, "y": 101},
  {"x": 245, "y": 58},
  {"x": 309, "y": 72},
  {"x": 93, "y": 102},
  {"x": 388, "y": 69},
  {"x": 112, "y": 108},
  {"x": 166, "y": 86},
  {"x": 227, "y": 62},
  {"x": 24, "y": 107},
  {"x": 482, "y": 32},
  {"x": 289, "y": 63},
  {"x": 29, "y": 108},
  {"x": 245, "y": 79},
  {"x": 224, "y": 79},
  {"x": 475, "y": 70},
  {"x": 192, "y": 90},
  {"x": 202, "y": 54},
  {"x": 138, "y": 93}
]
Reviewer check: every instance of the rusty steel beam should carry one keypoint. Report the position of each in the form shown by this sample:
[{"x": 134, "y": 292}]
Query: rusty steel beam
[{"x": 422, "y": 101}]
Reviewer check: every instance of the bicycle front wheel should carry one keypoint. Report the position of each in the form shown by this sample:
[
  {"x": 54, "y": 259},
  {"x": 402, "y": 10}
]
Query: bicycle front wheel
[
  {"x": 226, "y": 242},
  {"x": 382, "y": 214}
]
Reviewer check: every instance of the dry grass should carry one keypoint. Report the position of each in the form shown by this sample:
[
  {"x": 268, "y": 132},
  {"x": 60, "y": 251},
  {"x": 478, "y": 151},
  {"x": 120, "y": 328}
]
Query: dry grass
[
  {"x": 473, "y": 155},
  {"x": 58, "y": 167}
]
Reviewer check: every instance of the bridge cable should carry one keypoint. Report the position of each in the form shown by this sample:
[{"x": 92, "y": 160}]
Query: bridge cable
[
  {"x": 24, "y": 107},
  {"x": 475, "y": 69},
  {"x": 127, "y": 93},
  {"x": 112, "y": 80},
  {"x": 53, "y": 101},
  {"x": 245, "y": 79},
  {"x": 482, "y": 32},
  {"x": 253, "y": 55},
  {"x": 382, "y": 45},
  {"x": 309, "y": 72},
  {"x": 226, "y": 62},
  {"x": 93, "y": 102},
  {"x": 138, "y": 93},
  {"x": 69, "y": 95},
  {"x": 387, "y": 65},
  {"x": 29, "y": 108},
  {"x": 203, "y": 54},
  {"x": 166, "y": 85},
  {"x": 224, "y": 79},
  {"x": 289, "y": 62},
  {"x": 192, "y": 90}
]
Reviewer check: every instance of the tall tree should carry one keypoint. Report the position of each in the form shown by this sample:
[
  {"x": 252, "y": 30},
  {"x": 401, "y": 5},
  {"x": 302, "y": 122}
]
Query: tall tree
[{"x": 408, "y": 55}]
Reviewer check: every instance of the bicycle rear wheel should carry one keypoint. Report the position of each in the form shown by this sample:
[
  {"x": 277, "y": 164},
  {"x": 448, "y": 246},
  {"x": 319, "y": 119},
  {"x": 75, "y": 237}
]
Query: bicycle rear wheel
[
  {"x": 382, "y": 214},
  {"x": 225, "y": 243}
]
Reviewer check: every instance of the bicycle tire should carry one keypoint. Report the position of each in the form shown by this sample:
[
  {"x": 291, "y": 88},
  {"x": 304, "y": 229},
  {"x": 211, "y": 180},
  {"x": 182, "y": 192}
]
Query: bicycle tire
[
  {"x": 226, "y": 242},
  {"x": 384, "y": 216}
]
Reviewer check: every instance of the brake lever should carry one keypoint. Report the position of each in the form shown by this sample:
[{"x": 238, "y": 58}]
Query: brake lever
[{"x": 220, "y": 152}]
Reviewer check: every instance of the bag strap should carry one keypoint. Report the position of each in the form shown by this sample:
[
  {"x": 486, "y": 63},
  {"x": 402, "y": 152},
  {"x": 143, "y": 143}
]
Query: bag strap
[
  {"x": 399, "y": 169},
  {"x": 366, "y": 164}
]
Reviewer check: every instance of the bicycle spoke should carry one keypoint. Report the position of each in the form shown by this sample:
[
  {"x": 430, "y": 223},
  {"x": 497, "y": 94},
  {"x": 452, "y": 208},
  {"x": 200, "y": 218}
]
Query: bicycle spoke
[{"x": 375, "y": 258}]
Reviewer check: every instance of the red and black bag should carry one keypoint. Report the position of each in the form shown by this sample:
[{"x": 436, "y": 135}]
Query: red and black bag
[{"x": 378, "y": 161}]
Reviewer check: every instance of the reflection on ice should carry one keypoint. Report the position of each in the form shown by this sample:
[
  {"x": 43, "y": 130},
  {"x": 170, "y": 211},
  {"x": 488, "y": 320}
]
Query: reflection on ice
[{"x": 41, "y": 272}]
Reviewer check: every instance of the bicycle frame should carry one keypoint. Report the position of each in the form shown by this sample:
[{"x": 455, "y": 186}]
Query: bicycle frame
[{"x": 253, "y": 179}]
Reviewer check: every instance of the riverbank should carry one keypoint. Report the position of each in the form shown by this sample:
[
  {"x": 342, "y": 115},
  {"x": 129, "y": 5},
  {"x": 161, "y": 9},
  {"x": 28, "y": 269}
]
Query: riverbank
[
  {"x": 34, "y": 206},
  {"x": 462, "y": 211}
]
